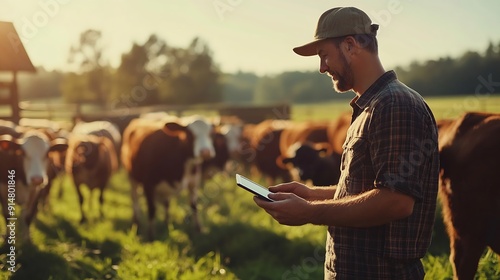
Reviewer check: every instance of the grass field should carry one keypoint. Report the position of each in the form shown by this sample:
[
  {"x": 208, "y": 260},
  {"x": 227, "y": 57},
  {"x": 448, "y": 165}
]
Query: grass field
[
  {"x": 238, "y": 240},
  {"x": 442, "y": 107}
]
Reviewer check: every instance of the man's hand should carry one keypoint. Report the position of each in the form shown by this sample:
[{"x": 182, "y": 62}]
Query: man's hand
[
  {"x": 296, "y": 188},
  {"x": 287, "y": 208},
  {"x": 305, "y": 192}
]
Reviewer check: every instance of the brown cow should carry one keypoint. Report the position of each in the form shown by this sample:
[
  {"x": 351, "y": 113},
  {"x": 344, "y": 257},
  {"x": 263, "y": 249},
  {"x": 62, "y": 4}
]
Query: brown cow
[
  {"x": 337, "y": 131},
  {"x": 316, "y": 149},
  {"x": 264, "y": 149},
  {"x": 470, "y": 188},
  {"x": 90, "y": 160},
  {"x": 271, "y": 140},
  {"x": 24, "y": 156},
  {"x": 308, "y": 131},
  {"x": 166, "y": 151}
]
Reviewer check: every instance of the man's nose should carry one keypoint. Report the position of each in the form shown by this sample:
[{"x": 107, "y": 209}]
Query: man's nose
[{"x": 323, "y": 68}]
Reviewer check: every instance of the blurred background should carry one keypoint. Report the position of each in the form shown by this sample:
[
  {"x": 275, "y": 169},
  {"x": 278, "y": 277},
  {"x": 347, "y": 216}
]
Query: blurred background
[
  {"x": 124, "y": 54},
  {"x": 69, "y": 60}
]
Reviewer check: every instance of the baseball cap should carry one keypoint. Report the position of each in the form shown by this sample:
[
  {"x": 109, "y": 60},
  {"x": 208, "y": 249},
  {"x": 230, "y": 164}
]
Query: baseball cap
[{"x": 338, "y": 22}]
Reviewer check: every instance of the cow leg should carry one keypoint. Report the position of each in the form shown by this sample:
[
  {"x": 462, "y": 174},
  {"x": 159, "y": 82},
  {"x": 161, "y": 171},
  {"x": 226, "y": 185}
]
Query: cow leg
[
  {"x": 80, "y": 199},
  {"x": 465, "y": 254},
  {"x": 44, "y": 197},
  {"x": 193, "y": 200},
  {"x": 31, "y": 210},
  {"x": 61, "y": 184},
  {"x": 149, "y": 192},
  {"x": 101, "y": 202},
  {"x": 35, "y": 195},
  {"x": 166, "y": 204},
  {"x": 135, "y": 202}
]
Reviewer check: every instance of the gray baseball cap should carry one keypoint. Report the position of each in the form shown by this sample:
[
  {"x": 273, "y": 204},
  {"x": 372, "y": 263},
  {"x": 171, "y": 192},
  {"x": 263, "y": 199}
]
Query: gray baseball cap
[{"x": 338, "y": 22}]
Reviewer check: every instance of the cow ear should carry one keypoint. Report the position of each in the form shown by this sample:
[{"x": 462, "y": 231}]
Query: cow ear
[
  {"x": 58, "y": 145},
  {"x": 287, "y": 160},
  {"x": 322, "y": 148},
  {"x": 175, "y": 129},
  {"x": 280, "y": 162},
  {"x": 9, "y": 143}
]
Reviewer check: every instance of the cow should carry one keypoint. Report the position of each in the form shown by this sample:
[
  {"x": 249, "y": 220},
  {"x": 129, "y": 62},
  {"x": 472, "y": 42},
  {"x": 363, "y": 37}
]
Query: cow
[
  {"x": 217, "y": 163},
  {"x": 470, "y": 187},
  {"x": 315, "y": 164},
  {"x": 302, "y": 132},
  {"x": 90, "y": 160},
  {"x": 24, "y": 154},
  {"x": 264, "y": 151},
  {"x": 101, "y": 128},
  {"x": 227, "y": 144},
  {"x": 55, "y": 131},
  {"x": 168, "y": 151},
  {"x": 337, "y": 132},
  {"x": 269, "y": 141}
]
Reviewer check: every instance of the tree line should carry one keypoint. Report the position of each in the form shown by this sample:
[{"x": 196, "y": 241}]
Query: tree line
[{"x": 157, "y": 73}]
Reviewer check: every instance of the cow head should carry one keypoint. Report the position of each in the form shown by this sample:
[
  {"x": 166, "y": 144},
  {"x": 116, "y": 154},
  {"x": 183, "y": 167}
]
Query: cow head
[
  {"x": 233, "y": 134},
  {"x": 196, "y": 130},
  {"x": 83, "y": 153},
  {"x": 304, "y": 158},
  {"x": 33, "y": 147}
]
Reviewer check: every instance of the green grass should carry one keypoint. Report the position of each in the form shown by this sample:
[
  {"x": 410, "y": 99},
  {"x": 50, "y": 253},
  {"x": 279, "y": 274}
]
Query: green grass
[
  {"x": 238, "y": 241},
  {"x": 442, "y": 107}
]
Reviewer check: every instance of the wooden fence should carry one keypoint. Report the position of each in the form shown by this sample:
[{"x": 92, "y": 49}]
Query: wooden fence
[{"x": 68, "y": 113}]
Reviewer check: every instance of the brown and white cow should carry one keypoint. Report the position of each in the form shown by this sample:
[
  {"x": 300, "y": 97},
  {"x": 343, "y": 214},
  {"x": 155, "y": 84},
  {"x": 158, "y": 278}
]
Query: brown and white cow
[
  {"x": 25, "y": 151},
  {"x": 166, "y": 151},
  {"x": 90, "y": 160},
  {"x": 227, "y": 144},
  {"x": 101, "y": 128},
  {"x": 470, "y": 187},
  {"x": 56, "y": 132}
]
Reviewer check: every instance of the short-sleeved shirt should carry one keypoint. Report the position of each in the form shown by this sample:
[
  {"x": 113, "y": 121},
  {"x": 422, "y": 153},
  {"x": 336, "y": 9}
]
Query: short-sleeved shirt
[{"x": 392, "y": 144}]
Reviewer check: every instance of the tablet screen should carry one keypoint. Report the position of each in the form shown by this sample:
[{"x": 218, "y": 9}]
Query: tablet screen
[{"x": 252, "y": 187}]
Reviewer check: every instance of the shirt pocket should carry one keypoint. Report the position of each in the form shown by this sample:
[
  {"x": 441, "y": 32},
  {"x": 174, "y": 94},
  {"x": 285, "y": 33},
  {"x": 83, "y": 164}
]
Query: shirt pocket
[{"x": 355, "y": 157}]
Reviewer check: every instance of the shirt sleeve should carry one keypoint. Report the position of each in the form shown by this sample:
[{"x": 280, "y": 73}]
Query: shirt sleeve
[{"x": 397, "y": 148}]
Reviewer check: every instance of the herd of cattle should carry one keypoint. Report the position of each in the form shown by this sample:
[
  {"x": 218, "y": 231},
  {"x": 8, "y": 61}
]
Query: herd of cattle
[{"x": 164, "y": 154}]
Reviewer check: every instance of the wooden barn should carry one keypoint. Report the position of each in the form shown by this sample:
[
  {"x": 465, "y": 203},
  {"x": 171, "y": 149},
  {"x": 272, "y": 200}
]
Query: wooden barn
[{"x": 13, "y": 59}]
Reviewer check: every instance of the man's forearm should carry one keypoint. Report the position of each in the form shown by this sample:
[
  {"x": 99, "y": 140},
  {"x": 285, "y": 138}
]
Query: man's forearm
[
  {"x": 322, "y": 193},
  {"x": 373, "y": 208}
]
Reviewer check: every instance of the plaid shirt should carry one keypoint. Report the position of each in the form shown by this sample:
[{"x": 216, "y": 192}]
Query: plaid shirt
[{"x": 391, "y": 143}]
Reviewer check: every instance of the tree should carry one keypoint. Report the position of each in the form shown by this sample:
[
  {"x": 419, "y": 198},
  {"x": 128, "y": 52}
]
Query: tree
[
  {"x": 139, "y": 75},
  {"x": 238, "y": 87},
  {"x": 191, "y": 76},
  {"x": 90, "y": 82}
]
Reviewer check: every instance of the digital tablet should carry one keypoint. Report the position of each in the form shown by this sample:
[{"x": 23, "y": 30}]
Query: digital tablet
[{"x": 252, "y": 187}]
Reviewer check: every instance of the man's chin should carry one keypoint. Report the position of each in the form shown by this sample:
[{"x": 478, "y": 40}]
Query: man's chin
[{"x": 340, "y": 88}]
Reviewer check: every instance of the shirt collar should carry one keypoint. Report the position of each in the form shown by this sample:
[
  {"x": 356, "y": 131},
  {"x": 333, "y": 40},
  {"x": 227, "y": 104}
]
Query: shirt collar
[{"x": 362, "y": 101}]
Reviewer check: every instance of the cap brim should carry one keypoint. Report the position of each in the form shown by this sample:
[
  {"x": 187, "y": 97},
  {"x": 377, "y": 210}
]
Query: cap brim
[{"x": 307, "y": 49}]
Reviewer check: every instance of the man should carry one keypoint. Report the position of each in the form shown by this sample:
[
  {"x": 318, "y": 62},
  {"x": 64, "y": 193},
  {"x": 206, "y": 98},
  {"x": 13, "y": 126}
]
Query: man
[{"x": 381, "y": 213}]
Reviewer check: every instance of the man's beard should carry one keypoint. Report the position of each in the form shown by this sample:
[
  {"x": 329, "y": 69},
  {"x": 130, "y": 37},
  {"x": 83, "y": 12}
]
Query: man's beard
[{"x": 344, "y": 81}]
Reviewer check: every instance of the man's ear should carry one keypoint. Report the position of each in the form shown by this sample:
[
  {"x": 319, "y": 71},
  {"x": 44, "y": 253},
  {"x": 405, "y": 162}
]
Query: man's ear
[{"x": 350, "y": 43}]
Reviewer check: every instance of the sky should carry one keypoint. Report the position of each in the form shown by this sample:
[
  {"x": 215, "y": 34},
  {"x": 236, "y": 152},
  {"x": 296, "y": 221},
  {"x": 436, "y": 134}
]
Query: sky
[{"x": 250, "y": 35}]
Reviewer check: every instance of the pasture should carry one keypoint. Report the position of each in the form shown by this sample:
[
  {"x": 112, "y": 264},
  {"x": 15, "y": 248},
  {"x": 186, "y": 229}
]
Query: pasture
[{"x": 238, "y": 240}]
